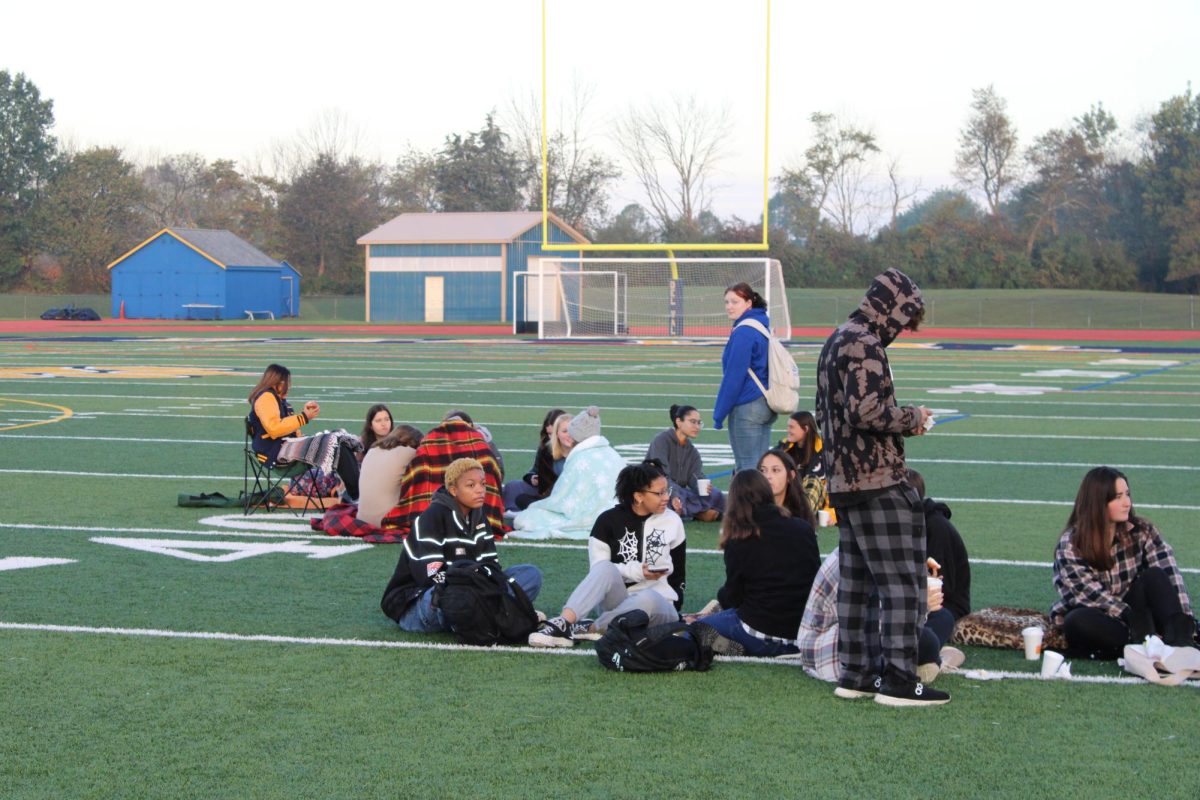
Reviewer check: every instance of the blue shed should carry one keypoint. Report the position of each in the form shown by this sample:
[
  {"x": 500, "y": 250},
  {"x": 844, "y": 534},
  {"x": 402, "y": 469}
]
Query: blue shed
[
  {"x": 454, "y": 266},
  {"x": 192, "y": 273}
]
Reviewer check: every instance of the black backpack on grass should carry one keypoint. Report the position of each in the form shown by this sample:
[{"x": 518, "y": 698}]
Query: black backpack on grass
[
  {"x": 477, "y": 605},
  {"x": 631, "y": 644}
]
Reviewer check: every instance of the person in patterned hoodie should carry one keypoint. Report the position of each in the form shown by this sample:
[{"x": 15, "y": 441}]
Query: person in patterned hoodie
[{"x": 881, "y": 524}]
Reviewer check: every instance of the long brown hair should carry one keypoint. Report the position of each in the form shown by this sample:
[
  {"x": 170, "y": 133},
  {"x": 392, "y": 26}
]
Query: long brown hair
[
  {"x": 548, "y": 422},
  {"x": 809, "y": 449},
  {"x": 369, "y": 437},
  {"x": 794, "y": 499},
  {"x": 1089, "y": 522},
  {"x": 748, "y": 489},
  {"x": 405, "y": 435},
  {"x": 272, "y": 376}
]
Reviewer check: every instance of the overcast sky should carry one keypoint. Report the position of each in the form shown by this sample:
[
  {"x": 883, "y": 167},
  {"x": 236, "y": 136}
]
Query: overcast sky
[{"x": 227, "y": 79}]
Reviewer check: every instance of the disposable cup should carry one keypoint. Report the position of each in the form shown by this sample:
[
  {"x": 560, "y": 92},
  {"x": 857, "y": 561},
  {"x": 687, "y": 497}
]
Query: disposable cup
[
  {"x": 934, "y": 582},
  {"x": 1051, "y": 663},
  {"x": 1033, "y": 642},
  {"x": 823, "y": 519},
  {"x": 703, "y": 486}
]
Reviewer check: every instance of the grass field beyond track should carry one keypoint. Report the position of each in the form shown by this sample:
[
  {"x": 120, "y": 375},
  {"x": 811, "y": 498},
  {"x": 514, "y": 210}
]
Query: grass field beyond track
[{"x": 305, "y": 689}]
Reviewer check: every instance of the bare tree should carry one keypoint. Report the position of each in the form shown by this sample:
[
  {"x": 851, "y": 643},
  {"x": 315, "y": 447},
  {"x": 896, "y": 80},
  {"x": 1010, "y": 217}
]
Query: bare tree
[
  {"x": 901, "y": 191},
  {"x": 577, "y": 174},
  {"x": 175, "y": 189},
  {"x": 835, "y": 174},
  {"x": 673, "y": 150},
  {"x": 988, "y": 157}
]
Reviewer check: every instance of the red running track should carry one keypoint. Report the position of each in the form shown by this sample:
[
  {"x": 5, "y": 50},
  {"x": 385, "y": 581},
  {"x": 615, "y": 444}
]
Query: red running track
[{"x": 116, "y": 327}]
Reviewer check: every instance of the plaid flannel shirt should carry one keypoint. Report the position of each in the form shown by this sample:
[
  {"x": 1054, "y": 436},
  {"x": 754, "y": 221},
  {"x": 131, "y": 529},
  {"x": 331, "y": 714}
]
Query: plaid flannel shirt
[
  {"x": 1135, "y": 547},
  {"x": 818, "y": 637}
]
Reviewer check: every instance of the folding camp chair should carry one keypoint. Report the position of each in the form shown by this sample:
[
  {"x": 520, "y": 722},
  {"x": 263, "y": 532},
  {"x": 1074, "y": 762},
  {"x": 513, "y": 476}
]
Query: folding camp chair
[{"x": 267, "y": 479}]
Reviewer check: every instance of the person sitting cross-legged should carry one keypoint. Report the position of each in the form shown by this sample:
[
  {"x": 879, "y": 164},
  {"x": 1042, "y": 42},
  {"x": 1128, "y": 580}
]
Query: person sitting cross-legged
[
  {"x": 637, "y": 550},
  {"x": 453, "y": 528},
  {"x": 771, "y": 559}
]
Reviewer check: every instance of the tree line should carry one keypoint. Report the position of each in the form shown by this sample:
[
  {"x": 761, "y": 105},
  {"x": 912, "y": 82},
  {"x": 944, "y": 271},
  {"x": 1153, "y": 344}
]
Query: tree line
[{"x": 1082, "y": 206}]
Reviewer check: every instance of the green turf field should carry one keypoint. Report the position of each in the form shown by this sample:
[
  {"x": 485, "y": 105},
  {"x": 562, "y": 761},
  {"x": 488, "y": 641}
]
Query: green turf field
[{"x": 305, "y": 689}]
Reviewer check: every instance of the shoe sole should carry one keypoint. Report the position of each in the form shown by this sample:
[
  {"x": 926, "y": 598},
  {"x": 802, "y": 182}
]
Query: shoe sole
[
  {"x": 846, "y": 693},
  {"x": 542, "y": 640},
  {"x": 587, "y": 637},
  {"x": 907, "y": 702},
  {"x": 709, "y": 637}
]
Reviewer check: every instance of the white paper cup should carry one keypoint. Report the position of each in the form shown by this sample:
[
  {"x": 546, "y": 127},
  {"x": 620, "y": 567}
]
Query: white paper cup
[
  {"x": 1033, "y": 642},
  {"x": 703, "y": 486},
  {"x": 934, "y": 583},
  {"x": 823, "y": 519},
  {"x": 1051, "y": 663}
]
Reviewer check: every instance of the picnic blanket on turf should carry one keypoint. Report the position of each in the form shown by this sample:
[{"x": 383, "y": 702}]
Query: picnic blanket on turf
[
  {"x": 342, "y": 520},
  {"x": 448, "y": 441},
  {"x": 320, "y": 449},
  {"x": 585, "y": 488}
]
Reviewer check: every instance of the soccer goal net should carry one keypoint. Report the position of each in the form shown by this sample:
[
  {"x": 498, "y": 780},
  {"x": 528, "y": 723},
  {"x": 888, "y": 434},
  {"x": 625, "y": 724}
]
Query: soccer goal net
[{"x": 641, "y": 297}]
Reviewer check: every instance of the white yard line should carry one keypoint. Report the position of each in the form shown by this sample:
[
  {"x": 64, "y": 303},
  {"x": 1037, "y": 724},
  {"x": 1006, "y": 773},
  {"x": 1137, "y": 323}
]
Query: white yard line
[{"x": 384, "y": 644}]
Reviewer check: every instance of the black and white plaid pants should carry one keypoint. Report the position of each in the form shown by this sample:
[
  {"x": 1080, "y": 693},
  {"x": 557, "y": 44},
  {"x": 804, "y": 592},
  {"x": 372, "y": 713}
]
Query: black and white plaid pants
[{"x": 881, "y": 587}]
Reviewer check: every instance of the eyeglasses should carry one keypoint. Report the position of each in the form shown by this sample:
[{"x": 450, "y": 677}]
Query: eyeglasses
[{"x": 663, "y": 493}]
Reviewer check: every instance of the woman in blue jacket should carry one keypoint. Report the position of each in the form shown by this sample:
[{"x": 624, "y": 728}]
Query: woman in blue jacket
[{"x": 739, "y": 399}]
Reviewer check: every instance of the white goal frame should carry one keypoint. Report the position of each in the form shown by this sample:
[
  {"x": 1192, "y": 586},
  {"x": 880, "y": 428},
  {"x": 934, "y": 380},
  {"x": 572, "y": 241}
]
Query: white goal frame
[{"x": 553, "y": 302}]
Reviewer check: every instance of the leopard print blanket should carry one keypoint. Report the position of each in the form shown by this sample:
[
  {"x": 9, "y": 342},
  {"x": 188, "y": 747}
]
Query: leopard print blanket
[{"x": 1000, "y": 626}]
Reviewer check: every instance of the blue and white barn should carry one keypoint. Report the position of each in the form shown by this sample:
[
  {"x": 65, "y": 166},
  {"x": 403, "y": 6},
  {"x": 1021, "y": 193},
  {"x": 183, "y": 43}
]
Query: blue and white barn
[
  {"x": 193, "y": 273},
  {"x": 454, "y": 266}
]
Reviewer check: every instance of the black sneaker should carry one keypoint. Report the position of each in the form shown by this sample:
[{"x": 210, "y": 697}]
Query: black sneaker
[
  {"x": 585, "y": 630},
  {"x": 552, "y": 633},
  {"x": 858, "y": 691},
  {"x": 710, "y": 637},
  {"x": 911, "y": 694}
]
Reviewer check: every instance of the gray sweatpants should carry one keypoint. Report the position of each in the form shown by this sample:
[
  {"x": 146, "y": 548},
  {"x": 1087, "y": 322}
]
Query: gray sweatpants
[{"x": 604, "y": 590}]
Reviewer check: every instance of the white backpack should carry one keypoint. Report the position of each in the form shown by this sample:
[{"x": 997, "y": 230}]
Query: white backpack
[{"x": 783, "y": 376}]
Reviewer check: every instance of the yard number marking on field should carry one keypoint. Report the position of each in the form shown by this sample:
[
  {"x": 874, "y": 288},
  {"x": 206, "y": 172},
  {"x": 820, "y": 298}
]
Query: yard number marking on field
[
  {"x": 25, "y": 562},
  {"x": 234, "y": 551},
  {"x": 995, "y": 388},
  {"x": 63, "y": 413}
]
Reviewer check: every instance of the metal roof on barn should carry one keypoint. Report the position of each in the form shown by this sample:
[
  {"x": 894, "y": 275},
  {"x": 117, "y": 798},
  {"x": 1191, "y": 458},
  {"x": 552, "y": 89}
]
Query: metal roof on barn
[
  {"x": 461, "y": 226},
  {"x": 224, "y": 248}
]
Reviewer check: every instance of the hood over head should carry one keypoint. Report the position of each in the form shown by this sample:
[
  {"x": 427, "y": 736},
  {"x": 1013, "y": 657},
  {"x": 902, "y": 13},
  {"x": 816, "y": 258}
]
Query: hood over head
[{"x": 890, "y": 303}]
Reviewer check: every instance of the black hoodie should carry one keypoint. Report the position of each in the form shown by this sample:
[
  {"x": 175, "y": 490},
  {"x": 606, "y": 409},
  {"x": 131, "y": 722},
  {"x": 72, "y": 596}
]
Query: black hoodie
[
  {"x": 945, "y": 546},
  {"x": 440, "y": 536}
]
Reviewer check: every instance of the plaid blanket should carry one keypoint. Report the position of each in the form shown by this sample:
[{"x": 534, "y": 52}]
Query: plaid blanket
[
  {"x": 319, "y": 450},
  {"x": 342, "y": 520},
  {"x": 450, "y": 440}
]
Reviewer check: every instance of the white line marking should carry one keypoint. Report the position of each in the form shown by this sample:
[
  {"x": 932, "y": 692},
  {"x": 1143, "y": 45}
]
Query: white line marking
[
  {"x": 992, "y": 675},
  {"x": 262, "y": 637},
  {"x": 1081, "y": 464},
  {"x": 381, "y": 644},
  {"x": 234, "y": 551},
  {"x": 23, "y": 562},
  {"x": 43, "y": 527},
  {"x": 1010, "y": 501},
  {"x": 1092, "y": 438}
]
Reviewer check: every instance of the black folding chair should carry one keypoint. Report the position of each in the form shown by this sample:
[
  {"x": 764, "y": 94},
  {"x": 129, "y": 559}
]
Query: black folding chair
[{"x": 267, "y": 489}]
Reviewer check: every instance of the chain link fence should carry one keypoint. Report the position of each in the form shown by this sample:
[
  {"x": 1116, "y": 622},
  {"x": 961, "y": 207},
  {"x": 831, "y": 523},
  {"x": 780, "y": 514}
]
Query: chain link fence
[{"x": 983, "y": 308}]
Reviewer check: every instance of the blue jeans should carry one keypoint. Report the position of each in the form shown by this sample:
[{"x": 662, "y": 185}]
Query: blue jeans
[
  {"x": 729, "y": 624},
  {"x": 750, "y": 432},
  {"x": 422, "y": 617}
]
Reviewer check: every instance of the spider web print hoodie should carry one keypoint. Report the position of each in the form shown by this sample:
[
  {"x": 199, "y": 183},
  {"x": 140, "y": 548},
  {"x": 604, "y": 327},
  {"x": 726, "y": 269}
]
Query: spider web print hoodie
[{"x": 862, "y": 427}]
